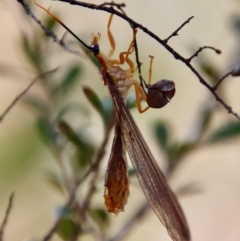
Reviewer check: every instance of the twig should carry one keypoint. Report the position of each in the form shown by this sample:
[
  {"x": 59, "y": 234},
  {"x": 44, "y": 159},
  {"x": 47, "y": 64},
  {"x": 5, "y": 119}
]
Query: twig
[
  {"x": 113, "y": 4},
  {"x": 23, "y": 93},
  {"x": 5, "y": 220},
  {"x": 47, "y": 31},
  {"x": 53, "y": 229},
  {"x": 134, "y": 219},
  {"x": 175, "y": 54},
  {"x": 221, "y": 80},
  {"x": 139, "y": 64},
  {"x": 175, "y": 33},
  {"x": 201, "y": 49},
  {"x": 72, "y": 195},
  {"x": 99, "y": 156},
  {"x": 95, "y": 168},
  {"x": 75, "y": 52}
]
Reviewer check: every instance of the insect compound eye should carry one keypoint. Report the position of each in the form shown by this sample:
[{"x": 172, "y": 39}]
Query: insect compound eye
[
  {"x": 95, "y": 49},
  {"x": 160, "y": 93}
]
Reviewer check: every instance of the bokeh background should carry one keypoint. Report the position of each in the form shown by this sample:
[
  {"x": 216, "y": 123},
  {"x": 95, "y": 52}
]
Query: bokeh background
[{"x": 213, "y": 211}]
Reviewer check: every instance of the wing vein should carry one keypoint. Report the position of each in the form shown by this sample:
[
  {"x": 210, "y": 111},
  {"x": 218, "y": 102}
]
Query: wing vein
[{"x": 154, "y": 185}]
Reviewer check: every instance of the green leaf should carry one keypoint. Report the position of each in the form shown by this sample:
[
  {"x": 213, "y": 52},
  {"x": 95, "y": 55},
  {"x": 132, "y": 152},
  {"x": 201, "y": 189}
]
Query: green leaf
[
  {"x": 161, "y": 132},
  {"x": 92, "y": 58},
  {"x": 85, "y": 149},
  {"x": 131, "y": 172},
  {"x": 36, "y": 104},
  {"x": 97, "y": 104},
  {"x": 210, "y": 70},
  {"x": 69, "y": 80},
  {"x": 108, "y": 110},
  {"x": 236, "y": 23},
  {"x": 100, "y": 216},
  {"x": 45, "y": 130},
  {"x": 176, "y": 151},
  {"x": 206, "y": 117},
  {"x": 225, "y": 132},
  {"x": 189, "y": 189},
  {"x": 55, "y": 180},
  {"x": 131, "y": 100},
  {"x": 50, "y": 23},
  {"x": 67, "y": 229},
  {"x": 31, "y": 52},
  {"x": 72, "y": 107}
]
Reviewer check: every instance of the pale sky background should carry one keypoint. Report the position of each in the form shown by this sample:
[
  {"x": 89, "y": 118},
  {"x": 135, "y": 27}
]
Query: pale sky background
[{"x": 214, "y": 214}]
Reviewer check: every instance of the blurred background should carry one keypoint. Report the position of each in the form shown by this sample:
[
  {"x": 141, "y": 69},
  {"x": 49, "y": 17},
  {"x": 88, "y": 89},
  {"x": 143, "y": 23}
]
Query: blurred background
[{"x": 194, "y": 139}]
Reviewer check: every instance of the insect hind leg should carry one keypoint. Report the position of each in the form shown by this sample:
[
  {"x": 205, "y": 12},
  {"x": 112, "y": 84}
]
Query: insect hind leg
[
  {"x": 110, "y": 37},
  {"x": 123, "y": 56}
]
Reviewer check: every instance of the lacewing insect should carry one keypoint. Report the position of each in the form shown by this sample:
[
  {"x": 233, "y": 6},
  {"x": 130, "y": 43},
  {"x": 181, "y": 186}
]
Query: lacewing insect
[
  {"x": 128, "y": 137},
  {"x": 154, "y": 185}
]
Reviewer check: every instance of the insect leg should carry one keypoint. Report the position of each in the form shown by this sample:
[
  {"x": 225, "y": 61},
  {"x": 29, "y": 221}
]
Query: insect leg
[
  {"x": 110, "y": 37},
  {"x": 150, "y": 70},
  {"x": 140, "y": 95},
  {"x": 123, "y": 56}
]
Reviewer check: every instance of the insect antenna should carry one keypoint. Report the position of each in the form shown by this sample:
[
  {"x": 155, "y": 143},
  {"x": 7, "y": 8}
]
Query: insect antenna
[{"x": 61, "y": 23}]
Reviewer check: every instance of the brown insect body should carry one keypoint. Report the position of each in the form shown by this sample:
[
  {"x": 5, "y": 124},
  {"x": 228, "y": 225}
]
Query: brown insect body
[
  {"x": 116, "y": 178},
  {"x": 160, "y": 93},
  {"x": 154, "y": 185}
]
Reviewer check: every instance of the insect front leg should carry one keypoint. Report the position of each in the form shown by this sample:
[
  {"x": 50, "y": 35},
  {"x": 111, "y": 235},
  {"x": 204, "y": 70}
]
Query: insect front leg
[
  {"x": 110, "y": 37},
  {"x": 123, "y": 56}
]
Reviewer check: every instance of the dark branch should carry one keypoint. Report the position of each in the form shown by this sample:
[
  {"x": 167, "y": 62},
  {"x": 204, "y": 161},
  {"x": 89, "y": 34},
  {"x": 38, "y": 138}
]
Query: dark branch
[
  {"x": 94, "y": 169},
  {"x": 175, "y": 33},
  {"x": 23, "y": 93},
  {"x": 113, "y": 4},
  {"x": 221, "y": 80},
  {"x": 5, "y": 220},
  {"x": 175, "y": 54},
  {"x": 139, "y": 64},
  {"x": 48, "y": 32},
  {"x": 53, "y": 229},
  {"x": 201, "y": 49},
  {"x": 134, "y": 219}
]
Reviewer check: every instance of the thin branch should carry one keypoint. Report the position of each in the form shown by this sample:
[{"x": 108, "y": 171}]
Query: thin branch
[
  {"x": 75, "y": 52},
  {"x": 95, "y": 168},
  {"x": 139, "y": 64},
  {"x": 221, "y": 80},
  {"x": 72, "y": 196},
  {"x": 134, "y": 24},
  {"x": 113, "y": 4},
  {"x": 175, "y": 33},
  {"x": 134, "y": 219},
  {"x": 175, "y": 54},
  {"x": 53, "y": 229},
  {"x": 99, "y": 156},
  {"x": 23, "y": 93},
  {"x": 47, "y": 31},
  {"x": 201, "y": 49},
  {"x": 5, "y": 220}
]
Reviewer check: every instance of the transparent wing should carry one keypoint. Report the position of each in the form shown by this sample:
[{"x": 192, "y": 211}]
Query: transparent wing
[{"x": 154, "y": 185}]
